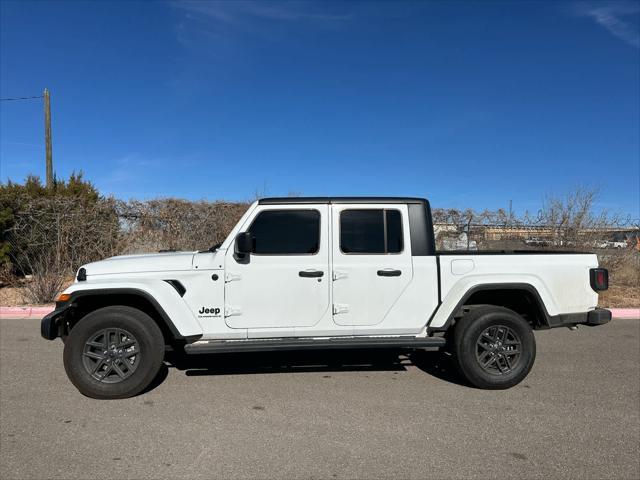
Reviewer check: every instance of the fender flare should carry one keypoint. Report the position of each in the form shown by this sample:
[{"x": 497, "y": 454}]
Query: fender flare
[
  {"x": 62, "y": 307},
  {"x": 548, "y": 320}
]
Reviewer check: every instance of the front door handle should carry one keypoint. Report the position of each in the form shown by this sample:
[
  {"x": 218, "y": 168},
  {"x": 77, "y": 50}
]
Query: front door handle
[
  {"x": 311, "y": 273},
  {"x": 389, "y": 273}
]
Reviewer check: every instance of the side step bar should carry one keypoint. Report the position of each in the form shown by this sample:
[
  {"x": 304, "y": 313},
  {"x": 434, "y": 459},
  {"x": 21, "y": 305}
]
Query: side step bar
[{"x": 272, "y": 344}]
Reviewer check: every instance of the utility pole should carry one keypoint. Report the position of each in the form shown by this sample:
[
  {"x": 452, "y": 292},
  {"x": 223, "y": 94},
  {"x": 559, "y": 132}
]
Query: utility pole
[{"x": 47, "y": 137}]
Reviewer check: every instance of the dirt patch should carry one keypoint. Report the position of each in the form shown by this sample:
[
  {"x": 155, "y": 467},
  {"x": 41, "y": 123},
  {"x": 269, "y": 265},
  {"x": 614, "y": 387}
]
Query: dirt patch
[
  {"x": 624, "y": 280},
  {"x": 12, "y": 296},
  {"x": 16, "y": 295},
  {"x": 620, "y": 296}
]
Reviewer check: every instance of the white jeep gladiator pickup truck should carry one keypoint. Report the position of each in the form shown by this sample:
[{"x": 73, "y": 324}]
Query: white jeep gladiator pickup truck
[{"x": 321, "y": 273}]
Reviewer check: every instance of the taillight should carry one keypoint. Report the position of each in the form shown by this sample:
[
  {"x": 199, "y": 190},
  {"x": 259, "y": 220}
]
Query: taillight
[{"x": 599, "y": 278}]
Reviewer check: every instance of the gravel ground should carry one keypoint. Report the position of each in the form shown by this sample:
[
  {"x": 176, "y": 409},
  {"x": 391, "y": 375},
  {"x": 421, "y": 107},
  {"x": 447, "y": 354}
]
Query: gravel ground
[{"x": 329, "y": 415}]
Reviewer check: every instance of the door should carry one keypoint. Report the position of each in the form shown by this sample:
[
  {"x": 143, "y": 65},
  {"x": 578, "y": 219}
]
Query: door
[
  {"x": 285, "y": 281},
  {"x": 371, "y": 261}
]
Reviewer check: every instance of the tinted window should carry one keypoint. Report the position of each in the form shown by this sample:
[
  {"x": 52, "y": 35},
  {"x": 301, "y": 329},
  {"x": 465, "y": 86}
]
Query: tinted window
[
  {"x": 363, "y": 231},
  {"x": 286, "y": 232},
  {"x": 394, "y": 231}
]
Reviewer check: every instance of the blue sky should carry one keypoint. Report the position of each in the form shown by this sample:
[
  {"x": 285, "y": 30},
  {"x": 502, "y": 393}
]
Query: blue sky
[{"x": 471, "y": 104}]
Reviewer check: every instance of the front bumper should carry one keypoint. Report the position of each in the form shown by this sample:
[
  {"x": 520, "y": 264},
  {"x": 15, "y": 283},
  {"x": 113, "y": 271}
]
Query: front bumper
[
  {"x": 592, "y": 318},
  {"x": 51, "y": 324}
]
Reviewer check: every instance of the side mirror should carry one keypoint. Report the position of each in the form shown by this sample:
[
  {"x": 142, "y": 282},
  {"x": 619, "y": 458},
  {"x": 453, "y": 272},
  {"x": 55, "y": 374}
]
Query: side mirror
[{"x": 244, "y": 244}]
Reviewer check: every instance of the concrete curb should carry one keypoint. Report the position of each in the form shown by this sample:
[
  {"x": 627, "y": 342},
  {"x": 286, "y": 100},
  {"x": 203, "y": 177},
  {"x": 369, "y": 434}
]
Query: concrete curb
[
  {"x": 625, "y": 312},
  {"x": 25, "y": 312},
  {"x": 41, "y": 311}
]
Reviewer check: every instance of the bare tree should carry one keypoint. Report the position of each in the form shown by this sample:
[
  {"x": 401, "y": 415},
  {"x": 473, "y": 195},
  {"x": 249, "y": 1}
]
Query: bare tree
[
  {"x": 52, "y": 236},
  {"x": 173, "y": 224}
]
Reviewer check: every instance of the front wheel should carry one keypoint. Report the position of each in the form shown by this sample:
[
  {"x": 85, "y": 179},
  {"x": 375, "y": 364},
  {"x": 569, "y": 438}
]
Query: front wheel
[
  {"x": 494, "y": 347},
  {"x": 113, "y": 352}
]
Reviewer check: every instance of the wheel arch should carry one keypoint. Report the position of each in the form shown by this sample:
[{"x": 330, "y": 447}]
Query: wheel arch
[
  {"x": 83, "y": 302},
  {"x": 522, "y": 298}
]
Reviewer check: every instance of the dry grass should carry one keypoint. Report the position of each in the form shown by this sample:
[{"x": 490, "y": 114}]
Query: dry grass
[
  {"x": 18, "y": 293},
  {"x": 620, "y": 296},
  {"x": 12, "y": 296},
  {"x": 624, "y": 284}
]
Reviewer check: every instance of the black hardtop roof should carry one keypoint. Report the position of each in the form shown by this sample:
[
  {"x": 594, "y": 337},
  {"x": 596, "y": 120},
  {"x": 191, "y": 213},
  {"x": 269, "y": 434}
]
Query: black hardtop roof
[{"x": 289, "y": 200}]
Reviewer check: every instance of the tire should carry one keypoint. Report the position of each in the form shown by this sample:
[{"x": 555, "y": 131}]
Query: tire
[
  {"x": 124, "y": 371},
  {"x": 482, "y": 354}
]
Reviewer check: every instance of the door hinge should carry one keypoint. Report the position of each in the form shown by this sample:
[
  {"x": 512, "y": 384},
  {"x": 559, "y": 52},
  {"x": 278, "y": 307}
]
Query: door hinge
[
  {"x": 337, "y": 275},
  {"x": 339, "y": 308},
  {"x": 231, "y": 311},
  {"x": 231, "y": 277}
]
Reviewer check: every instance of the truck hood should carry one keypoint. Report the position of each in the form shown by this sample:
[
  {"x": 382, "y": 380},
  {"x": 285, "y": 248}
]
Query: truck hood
[{"x": 154, "y": 262}]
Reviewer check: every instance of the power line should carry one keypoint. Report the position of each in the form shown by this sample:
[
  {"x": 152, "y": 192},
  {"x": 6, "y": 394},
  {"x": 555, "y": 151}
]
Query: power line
[{"x": 20, "y": 98}]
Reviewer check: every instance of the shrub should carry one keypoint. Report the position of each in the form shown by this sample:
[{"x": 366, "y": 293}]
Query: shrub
[
  {"x": 48, "y": 232},
  {"x": 173, "y": 224}
]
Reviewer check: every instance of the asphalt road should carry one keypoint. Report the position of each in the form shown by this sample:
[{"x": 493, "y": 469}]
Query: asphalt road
[{"x": 329, "y": 415}]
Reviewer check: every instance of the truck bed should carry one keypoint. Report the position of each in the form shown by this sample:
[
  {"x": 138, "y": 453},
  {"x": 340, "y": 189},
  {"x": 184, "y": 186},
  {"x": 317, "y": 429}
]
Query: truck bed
[{"x": 559, "y": 278}]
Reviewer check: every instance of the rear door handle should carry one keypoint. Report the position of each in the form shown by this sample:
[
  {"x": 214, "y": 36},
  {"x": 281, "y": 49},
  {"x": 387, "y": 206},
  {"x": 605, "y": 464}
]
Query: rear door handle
[
  {"x": 389, "y": 273},
  {"x": 311, "y": 273}
]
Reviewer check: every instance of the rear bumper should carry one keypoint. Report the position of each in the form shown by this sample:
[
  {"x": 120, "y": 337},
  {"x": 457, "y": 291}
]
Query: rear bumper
[
  {"x": 599, "y": 316},
  {"x": 592, "y": 318}
]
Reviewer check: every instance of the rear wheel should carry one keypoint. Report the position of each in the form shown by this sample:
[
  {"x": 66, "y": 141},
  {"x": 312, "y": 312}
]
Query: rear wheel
[
  {"x": 494, "y": 347},
  {"x": 113, "y": 352}
]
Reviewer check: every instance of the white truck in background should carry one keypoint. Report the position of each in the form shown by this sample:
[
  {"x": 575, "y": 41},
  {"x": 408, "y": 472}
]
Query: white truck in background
[{"x": 321, "y": 273}]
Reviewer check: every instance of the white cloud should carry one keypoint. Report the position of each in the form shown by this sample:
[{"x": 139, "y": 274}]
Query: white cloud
[
  {"x": 613, "y": 17},
  {"x": 217, "y": 29},
  {"x": 131, "y": 168},
  {"x": 239, "y": 10}
]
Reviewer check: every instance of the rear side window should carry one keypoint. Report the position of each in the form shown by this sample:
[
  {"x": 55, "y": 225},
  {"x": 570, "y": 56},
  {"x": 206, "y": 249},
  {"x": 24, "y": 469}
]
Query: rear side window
[
  {"x": 286, "y": 232},
  {"x": 371, "y": 231}
]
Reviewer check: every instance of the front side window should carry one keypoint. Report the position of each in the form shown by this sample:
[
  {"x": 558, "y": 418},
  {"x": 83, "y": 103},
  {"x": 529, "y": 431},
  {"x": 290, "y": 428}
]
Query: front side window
[
  {"x": 371, "y": 231},
  {"x": 286, "y": 232}
]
